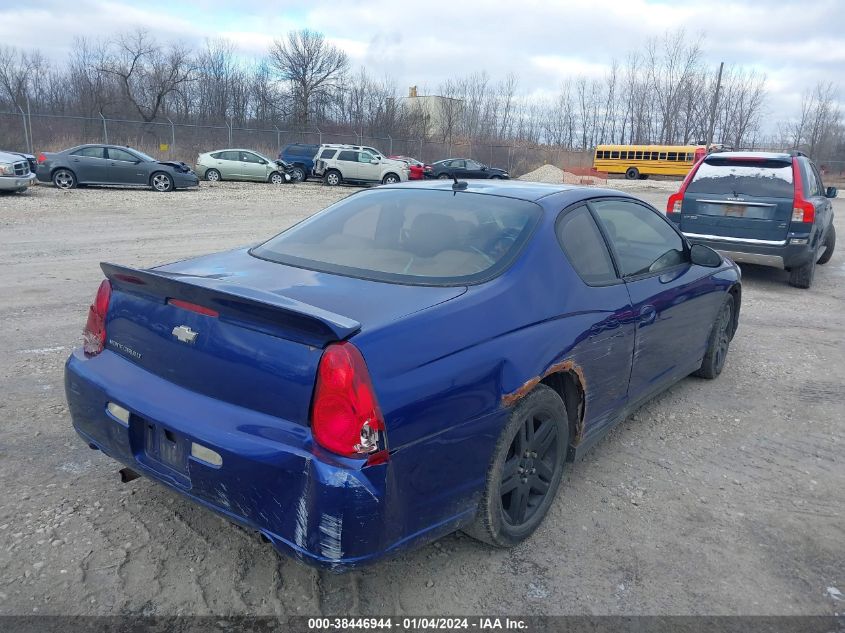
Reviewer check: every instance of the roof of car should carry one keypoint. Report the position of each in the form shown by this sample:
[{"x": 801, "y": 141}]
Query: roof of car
[
  {"x": 521, "y": 190},
  {"x": 746, "y": 155}
]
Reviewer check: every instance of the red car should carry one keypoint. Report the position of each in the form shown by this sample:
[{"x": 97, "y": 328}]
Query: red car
[{"x": 419, "y": 170}]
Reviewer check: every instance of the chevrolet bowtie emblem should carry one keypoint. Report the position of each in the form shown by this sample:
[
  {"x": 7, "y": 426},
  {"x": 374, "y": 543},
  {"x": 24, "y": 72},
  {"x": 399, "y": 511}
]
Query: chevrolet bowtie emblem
[{"x": 184, "y": 334}]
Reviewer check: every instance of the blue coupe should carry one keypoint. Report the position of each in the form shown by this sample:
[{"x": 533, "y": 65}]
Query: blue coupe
[{"x": 415, "y": 359}]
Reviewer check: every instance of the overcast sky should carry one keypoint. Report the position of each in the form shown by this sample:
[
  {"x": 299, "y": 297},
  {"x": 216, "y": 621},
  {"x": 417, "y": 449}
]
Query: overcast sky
[{"x": 795, "y": 43}]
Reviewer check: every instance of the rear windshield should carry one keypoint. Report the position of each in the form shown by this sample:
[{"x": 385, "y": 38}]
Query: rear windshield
[
  {"x": 410, "y": 236},
  {"x": 765, "y": 178}
]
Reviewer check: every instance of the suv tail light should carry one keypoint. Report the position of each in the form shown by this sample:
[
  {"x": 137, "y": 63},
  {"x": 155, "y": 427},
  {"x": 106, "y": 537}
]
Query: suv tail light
[
  {"x": 345, "y": 416},
  {"x": 94, "y": 334},
  {"x": 676, "y": 200},
  {"x": 802, "y": 210}
]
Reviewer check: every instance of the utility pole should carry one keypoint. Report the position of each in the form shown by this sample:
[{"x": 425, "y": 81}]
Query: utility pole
[{"x": 714, "y": 106}]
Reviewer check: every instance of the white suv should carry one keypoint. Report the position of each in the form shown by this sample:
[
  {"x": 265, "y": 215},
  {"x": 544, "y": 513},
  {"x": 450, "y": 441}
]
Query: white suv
[{"x": 337, "y": 164}]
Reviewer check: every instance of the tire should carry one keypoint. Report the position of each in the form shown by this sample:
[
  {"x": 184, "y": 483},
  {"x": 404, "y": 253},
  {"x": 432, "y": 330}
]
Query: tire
[
  {"x": 64, "y": 178},
  {"x": 498, "y": 522},
  {"x": 719, "y": 341},
  {"x": 332, "y": 178},
  {"x": 390, "y": 179},
  {"x": 830, "y": 243},
  {"x": 161, "y": 181},
  {"x": 495, "y": 177},
  {"x": 276, "y": 178},
  {"x": 298, "y": 174},
  {"x": 444, "y": 177},
  {"x": 632, "y": 174},
  {"x": 802, "y": 276},
  {"x": 212, "y": 175}
]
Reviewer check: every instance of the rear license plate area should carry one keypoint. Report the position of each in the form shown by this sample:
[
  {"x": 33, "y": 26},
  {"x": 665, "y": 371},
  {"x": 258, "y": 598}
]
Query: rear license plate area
[{"x": 165, "y": 447}]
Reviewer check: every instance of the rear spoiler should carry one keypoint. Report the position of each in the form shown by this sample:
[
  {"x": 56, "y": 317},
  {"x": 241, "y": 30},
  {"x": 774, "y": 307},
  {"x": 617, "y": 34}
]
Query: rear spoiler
[{"x": 250, "y": 308}]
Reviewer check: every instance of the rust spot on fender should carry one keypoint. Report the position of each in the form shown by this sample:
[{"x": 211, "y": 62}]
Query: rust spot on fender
[{"x": 512, "y": 398}]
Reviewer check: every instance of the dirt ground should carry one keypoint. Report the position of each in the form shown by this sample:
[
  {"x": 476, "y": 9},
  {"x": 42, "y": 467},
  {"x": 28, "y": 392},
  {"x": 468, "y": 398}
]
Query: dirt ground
[{"x": 719, "y": 497}]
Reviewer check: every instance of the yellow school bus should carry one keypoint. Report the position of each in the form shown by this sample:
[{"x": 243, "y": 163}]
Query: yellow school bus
[{"x": 642, "y": 161}]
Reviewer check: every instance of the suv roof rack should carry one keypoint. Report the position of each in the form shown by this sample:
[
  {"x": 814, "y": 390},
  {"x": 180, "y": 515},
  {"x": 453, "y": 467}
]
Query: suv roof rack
[{"x": 795, "y": 152}]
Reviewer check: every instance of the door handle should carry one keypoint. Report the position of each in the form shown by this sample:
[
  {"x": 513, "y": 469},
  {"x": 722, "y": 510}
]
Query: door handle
[{"x": 648, "y": 313}]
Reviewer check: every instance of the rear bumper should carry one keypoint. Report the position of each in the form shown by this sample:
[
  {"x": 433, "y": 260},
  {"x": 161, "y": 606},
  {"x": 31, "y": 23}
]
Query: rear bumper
[
  {"x": 13, "y": 183},
  {"x": 325, "y": 510},
  {"x": 785, "y": 254}
]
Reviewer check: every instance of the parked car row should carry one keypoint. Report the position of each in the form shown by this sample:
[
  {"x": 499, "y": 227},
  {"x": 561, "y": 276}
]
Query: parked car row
[
  {"x": 334, "y": 164},
  {"x": 338, "y": 163}
]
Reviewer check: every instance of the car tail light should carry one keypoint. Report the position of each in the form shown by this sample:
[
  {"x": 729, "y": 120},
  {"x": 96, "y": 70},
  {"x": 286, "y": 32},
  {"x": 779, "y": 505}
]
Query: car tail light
[
  {"x": 345, "y": 416},
  {"x": 676, "y": 200},
  {"x": 802, "y": 210},
  {"x": 94, "y": 334},
  {"x": 42, "y": 158}
]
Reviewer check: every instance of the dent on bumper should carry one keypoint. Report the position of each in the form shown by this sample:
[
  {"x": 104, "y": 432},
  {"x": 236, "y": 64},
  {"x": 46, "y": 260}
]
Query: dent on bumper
[{"x": 324, "y": 511}]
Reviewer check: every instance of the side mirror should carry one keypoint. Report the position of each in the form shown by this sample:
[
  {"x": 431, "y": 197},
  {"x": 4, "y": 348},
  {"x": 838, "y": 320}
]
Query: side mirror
[
  {"x": 374, "y": 162},
  {"x": 702, "y": 255},
  {"x": 262, "y": 161},
  {"x": 830, "y": 192}
]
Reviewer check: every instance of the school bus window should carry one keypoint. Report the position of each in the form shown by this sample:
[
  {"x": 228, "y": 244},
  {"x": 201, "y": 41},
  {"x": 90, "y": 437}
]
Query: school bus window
[
  {"x": 673, "y": 156},
  {"x": 662, "y": 155},
  {"x": 614, "y": 154},
  {"x": 638, "y": 155}
]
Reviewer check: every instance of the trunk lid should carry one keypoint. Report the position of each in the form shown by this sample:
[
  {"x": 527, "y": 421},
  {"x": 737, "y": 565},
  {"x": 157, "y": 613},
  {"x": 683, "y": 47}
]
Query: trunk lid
[
  {"x": 260, "y": 345},
  {"x": 743, "y": 198}
]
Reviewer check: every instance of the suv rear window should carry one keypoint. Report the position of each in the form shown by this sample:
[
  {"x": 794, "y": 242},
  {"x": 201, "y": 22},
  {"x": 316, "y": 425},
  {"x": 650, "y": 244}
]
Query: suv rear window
[
  {"x": 328, "y": 153},
  {"x": 415, "y": 237},
  {"x": 763, "y": 178}
]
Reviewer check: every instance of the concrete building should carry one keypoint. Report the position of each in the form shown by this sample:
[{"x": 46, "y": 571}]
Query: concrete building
[{"x": 439, "y": 113}]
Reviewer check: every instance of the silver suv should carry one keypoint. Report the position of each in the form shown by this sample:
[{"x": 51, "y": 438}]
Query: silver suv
[
  {"x": 15, "y": 175},
  {"x": 337, "y": 164}
]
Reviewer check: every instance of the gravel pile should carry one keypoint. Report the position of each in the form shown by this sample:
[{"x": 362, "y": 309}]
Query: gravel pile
[{"x": 556, "y": 176}]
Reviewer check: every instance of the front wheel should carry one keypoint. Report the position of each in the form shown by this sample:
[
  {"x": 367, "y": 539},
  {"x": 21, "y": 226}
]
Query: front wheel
[
  {"x": 830, "y": 244},
  {"x": 161, "y": 182},
  {"x": 390, "y": 179},
  {"x": 719, "y": 341},
  {"x": 525, "y": 472},
  {"x": 444, "y": 177},
  {"x": 332, "y": 179},
  {"x": 276, "y": 178},
  {"x": 64, "y": 179},
  {"x": 632, "y": 174},
  {"x": 298, "y": 174}
]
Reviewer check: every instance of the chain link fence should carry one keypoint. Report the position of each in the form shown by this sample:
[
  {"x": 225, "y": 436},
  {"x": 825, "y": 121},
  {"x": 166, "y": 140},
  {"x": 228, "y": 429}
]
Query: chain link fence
[{"x": 170, "y": 140}]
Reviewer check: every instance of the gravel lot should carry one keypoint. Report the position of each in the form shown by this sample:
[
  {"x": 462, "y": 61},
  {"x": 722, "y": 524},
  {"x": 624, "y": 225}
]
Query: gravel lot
[{"x": 719, "y": 497}]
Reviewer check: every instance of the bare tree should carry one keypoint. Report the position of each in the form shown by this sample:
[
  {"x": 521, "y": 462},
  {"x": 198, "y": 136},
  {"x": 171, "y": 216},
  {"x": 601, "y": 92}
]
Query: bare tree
[
  {"x": 147, "y": 72},
  {"x": 311, "y": 65}
]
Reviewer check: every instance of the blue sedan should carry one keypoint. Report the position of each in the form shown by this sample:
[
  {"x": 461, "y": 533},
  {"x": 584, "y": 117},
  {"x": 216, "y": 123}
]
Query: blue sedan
[{"x": 414, "y": 360}]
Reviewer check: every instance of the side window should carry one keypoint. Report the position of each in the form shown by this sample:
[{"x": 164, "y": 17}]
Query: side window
[
  {"x": 471, "y": 164},
  {"x": 644, "y": 242},
  {"x": 230, "y": 156},
  {"x": 119, "y": 154},
  {"x": 348, "y": 155},
  {"x": 662, "y": 156},
  {"x": 818, "y": 180},
  {"x": 90, "y": 152},
  {"x": 614, "y": 154},
  {"x": 249, "y": 157},
  {"x": 218, "y": 155},
  {"x": 328, "y": 154},
  {"x": 365, "y": 157},
  {"x": 460, "y": 164},
  {"x": 584, "y": 247}
]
